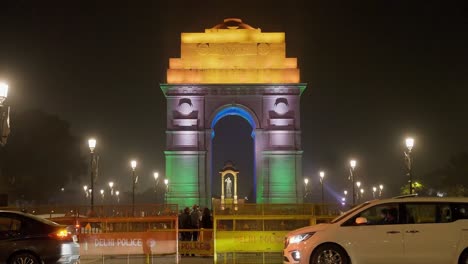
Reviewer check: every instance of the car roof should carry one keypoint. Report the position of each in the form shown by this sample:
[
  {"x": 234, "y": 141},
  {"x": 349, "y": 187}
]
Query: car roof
[
  {"x": 30, "y": 216},
  {"x": 415, "y": 198}
]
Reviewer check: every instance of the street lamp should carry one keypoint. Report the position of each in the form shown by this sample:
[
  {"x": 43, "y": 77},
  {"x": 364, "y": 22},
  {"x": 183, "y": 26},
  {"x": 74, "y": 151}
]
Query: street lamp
[
  {"x": 374, "y": 189},
  {"x": 102, "y": 195},
  {"x": 156, "y": 186},
  {"x": 92, "y": 146},
  {"x": 409, "y": 161},
  {"x": 85, "y": 188},
  {"x": 156, "y": 178},
  {"x": 322, "y": 175},
  {"x": 362, "y": 194},
  {"x": 4, "y": 114},
  {"x": 306, "y": 190},
  {"x": 380, "y": 189},
  {"x": 133, "y": 163},
  {"x": 166, "y": 182},
  {"x": 3, "y": 92},
  {"x": 352, "y": 164},
  {"x": 111, "y": 186},
  {"x": 117, "y": 193}
]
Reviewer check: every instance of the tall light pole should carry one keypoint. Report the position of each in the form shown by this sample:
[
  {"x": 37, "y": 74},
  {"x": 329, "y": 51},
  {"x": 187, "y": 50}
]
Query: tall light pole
[
  {"x": 166, "y": 182},
  {"x": 156, "y": 179},
  {"x": 352, "y": 164},
  {"x": 133, "y": 163},
  {"x": 117, "y": 193},
  {"x": 380, "y": 190},
  {"x": 358, "y": 184},
  {"x": 102, "y": 196},
  {"x": 322, "y": 175},
  {"x": 92, "y": 146},
  {"x": 409, "y": 161},
  {"x": 374, "y": 189},
  {"x": 4, "y": 114},
  {"x": 306, "y": 189},
  {"x": 111, "y": 186},
  {"x": 85, "y": 189}
]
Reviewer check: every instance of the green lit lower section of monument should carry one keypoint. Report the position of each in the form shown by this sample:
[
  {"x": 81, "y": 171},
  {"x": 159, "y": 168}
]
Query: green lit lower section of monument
[
  {"x": 185, "y": 172},
  {"x": 281, "y": 177}
]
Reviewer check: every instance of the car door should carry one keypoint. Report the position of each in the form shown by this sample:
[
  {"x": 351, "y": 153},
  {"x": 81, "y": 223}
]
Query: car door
[
  {"x": 376, "y": 241},
  {"x": 9, "y": 227},
  {"x": 430, "y": 235}
]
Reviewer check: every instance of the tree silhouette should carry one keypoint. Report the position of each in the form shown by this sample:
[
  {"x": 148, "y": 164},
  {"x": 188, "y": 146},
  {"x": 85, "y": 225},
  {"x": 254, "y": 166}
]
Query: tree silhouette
[
  {"x": 452, "y": 179},
  {"x": 40, "y": 158}
]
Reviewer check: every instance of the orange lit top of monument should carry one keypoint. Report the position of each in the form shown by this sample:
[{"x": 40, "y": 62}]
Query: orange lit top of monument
[{"x": 233, "y": 52}]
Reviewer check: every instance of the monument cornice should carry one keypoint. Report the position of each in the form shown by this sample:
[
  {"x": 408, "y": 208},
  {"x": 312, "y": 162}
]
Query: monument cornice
[{"x": 232, "y": 89}]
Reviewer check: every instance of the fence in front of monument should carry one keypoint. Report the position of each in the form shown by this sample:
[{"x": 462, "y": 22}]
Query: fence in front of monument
[
  {"x": 119, "y": 233},
  {"x": 253, "y": 233}
]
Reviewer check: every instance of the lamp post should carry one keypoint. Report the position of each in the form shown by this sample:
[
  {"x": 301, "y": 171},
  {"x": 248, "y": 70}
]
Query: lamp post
[
  {"x": 92, "y": 146},
  {"x": 380, "y": 190},
  {"x": 358, "y": 184},
  {"x": 4, "y": 114},
  {"x": 102, "y": 196},
  {"x": 3, "y": 92},
  {"x": 322, "y": 175},
  {"x": 352, "y": 164},
  {"x": 362, "y": 194},
  {"x": 111, "y": 186},
  {"x": 133, "y": 163},
  {"x": 306, "y": 189},
  {"x": 85, "y": 188},
  {"x": 409, "y": 161},
  {"x": 374, "y": 189},
  {"x": 117, "y": 193},
  {"x": 166, "y": 182}
]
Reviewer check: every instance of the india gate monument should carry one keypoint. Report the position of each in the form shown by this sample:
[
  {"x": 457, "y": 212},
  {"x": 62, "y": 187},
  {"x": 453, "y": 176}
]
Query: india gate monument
[{"x": 233, "y": 69}]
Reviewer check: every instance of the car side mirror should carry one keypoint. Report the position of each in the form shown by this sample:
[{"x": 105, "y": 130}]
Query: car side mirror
[{"x": 361, "y": 220}]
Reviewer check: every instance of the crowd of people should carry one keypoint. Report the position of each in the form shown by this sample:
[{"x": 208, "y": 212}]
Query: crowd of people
[{"x": 194, "y": 219}]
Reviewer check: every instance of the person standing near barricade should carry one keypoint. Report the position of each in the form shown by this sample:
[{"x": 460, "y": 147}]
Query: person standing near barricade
[
  {"x": 207, "y": 220},
  {"x": 195, "y": 219},
  {"x": 185, "y": 223},
  {"x": 206, "y": 223}
]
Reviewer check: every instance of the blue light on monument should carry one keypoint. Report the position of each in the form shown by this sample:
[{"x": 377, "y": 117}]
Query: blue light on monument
[{"x": 233, "y": 110}]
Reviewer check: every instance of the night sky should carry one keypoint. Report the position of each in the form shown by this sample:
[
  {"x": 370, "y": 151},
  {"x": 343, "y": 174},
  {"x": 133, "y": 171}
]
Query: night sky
[{"x": 377, "y": 71}]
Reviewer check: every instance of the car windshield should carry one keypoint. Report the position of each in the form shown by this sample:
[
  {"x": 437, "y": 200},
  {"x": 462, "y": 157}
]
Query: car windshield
[{"x": 350, "y": 211}]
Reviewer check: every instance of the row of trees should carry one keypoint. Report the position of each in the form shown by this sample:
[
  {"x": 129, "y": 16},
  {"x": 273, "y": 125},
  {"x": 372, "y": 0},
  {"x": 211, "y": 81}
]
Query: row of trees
[
  {"x": 449, "y": 180},
  {"x": 41, "y": 156}
]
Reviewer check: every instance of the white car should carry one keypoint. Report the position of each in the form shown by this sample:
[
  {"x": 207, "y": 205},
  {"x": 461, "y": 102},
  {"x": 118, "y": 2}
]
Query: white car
[{"x": 406, "y": 229}]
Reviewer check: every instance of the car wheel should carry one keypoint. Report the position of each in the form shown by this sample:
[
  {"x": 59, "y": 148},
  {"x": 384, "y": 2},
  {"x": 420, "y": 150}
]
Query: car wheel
[
  {"x": 464, "y": 257},
  {"x": 24, "y": 258},
  {"x": 329, "y": 254}
]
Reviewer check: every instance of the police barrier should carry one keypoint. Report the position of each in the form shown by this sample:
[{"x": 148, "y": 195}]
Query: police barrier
[
  {"x": 254, "y": 233},
  {"x": 248, "y": 233},
  {"x": 131, "y": 231}
]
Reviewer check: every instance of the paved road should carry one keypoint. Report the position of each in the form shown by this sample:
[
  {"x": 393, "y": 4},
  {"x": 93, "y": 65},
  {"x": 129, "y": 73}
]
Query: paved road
[{"x": 170, "y": 259}]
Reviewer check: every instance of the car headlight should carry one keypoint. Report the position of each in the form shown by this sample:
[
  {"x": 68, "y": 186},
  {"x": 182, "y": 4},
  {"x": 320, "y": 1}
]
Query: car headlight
[{"x": 301, "y": 237}]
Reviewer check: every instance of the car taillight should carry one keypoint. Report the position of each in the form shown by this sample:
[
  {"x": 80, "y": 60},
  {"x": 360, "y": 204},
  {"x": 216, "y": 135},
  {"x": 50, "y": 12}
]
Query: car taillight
[{"x": 61, "y": 234}]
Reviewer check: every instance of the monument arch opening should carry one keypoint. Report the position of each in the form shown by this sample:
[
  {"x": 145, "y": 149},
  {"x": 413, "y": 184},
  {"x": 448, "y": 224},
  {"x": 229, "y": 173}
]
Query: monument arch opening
[{"x": 234, "y": 141}]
